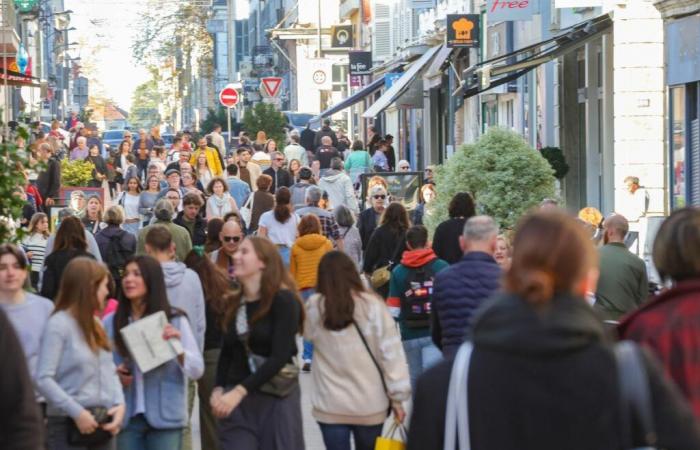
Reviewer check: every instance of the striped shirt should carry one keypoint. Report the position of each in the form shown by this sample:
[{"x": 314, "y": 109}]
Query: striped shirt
[{"x": 36, "y": 244}]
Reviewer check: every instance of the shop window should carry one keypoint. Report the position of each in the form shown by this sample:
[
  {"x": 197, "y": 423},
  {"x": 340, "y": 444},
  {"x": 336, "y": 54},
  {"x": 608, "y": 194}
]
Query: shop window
[{"x": 678, "y": 153}]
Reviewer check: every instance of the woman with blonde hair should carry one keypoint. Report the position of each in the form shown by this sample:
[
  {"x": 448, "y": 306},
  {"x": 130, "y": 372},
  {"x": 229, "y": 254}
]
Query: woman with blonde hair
[
  {"x": 92, "y": 220},
  {"x": 502, "y": 255},
  {"x": 75, "y": 370},
  {"x": 260, "y": 141}
]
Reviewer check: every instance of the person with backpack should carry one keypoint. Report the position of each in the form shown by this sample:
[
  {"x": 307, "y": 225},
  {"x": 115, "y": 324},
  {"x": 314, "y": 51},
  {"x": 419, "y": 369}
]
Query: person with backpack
[
  {"x": 117, "y": 246},
  {"x": 410, "y": 298},
  {"x": 298, "y": 190},
  {"x": 539, "y": 372}
]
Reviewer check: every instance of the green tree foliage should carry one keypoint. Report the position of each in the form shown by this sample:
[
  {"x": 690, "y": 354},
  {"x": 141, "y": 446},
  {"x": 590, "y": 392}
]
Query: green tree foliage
[
  {"x": 264, "y": 117},
  {"x": 214, "y": 116},
  {"x": 76, "y": 173},
  {"x": 144, "y": 106},
  {"x": 555, "y": 157},
  {"x": 503, "y": 173},
  {"x": 11, "y": 178}
]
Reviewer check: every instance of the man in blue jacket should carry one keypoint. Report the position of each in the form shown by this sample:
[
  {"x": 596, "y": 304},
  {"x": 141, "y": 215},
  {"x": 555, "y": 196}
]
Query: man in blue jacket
[{"x": 464, "y": 286}]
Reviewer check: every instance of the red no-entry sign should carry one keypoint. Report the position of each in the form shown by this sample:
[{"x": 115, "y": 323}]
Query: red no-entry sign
[{"x": 228, "y": 96}]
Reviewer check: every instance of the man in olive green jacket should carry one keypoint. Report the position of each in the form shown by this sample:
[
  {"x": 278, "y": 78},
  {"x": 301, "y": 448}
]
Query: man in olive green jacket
[
  {"x": 623, "y": 283},
  {"x": 163, "y": 212}
]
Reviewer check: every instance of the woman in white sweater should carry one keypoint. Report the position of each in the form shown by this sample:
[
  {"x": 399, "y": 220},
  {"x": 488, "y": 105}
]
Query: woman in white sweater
[{"x": 360, "y": 367}]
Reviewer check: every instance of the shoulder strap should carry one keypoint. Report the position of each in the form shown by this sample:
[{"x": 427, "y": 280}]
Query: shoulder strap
[
  {"x": 457, "y": 413},
  {"x": 371, "y": 355},
  {"x": 635, "y": 395}
]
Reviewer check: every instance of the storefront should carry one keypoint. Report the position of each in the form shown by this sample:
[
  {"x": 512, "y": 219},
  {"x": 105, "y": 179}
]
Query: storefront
[{"x": 683, "y": 78}]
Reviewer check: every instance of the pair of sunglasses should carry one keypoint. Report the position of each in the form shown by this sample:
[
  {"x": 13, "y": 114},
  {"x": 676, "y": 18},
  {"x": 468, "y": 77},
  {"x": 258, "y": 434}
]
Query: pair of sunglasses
[
  {"x": 232, "y": 238},
  {"x": 379, "y": 197}
]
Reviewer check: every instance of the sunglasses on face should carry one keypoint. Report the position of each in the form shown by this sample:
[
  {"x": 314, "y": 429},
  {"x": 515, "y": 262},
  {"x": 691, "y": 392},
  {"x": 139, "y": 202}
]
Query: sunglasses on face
[
  {"x": 404, "y": 167},
  {"x": 279, "y": 159},
  {"x": 232, "y": 238},
  {"x": 379, "y": 197}
]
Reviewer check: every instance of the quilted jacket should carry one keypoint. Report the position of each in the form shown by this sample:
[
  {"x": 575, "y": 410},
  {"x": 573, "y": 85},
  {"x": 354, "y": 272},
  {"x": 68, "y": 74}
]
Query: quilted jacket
[{"x": 459, "y": 290}]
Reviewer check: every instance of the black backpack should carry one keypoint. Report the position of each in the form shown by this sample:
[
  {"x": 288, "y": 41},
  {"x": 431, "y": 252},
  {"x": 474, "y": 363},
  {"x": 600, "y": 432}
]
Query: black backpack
[
  {"x": 417, "y": 299},
  {"x": 116, "y": 257}
]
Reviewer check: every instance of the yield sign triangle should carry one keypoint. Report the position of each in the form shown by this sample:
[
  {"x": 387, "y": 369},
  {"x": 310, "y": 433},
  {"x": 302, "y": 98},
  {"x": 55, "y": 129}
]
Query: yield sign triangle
[{"x": 272, "y": 85}]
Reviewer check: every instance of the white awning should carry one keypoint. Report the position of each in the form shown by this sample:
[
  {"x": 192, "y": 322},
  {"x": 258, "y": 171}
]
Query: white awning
[
  {"x": 433, "y": 74},
  {"x": 401, "y": 84}
]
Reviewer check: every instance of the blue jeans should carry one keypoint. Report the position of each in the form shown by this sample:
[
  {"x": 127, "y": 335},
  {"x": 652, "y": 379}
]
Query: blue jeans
[
  {"x": 308, "y": 346},
  {"x": 421, "y": 354},
  {"x": 139, "y": 435},
  {"x": 285, "y": 253},
  {"x": 337, "y": 437}
]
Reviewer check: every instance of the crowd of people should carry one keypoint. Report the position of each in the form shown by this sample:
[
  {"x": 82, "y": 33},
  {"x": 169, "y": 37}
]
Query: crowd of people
[{"x": 273, "y": 272}]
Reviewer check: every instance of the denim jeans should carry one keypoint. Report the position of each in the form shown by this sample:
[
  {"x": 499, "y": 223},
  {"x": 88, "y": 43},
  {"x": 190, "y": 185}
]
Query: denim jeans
[
  {"x": 139, "y": 435},
  {"x": 285, "y": 253},
  {"x": 421, "y": 354},
  {"x": 337, "y": 437},
  {"x": 308, "y": 346}
]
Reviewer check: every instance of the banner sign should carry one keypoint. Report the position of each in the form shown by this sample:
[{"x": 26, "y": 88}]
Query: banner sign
[
  {"x": 360, "y": 63},
  {"x": 505, "y": 10},
  {"x": 463, "y": 30},
  {"x": 342, "y": 36}
]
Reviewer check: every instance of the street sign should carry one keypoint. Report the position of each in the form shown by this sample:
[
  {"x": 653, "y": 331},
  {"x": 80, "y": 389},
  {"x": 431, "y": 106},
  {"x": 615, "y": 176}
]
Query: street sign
[
  {"x": 26, "y": 5},
  {"x": 270, "y": 86},
  {"x": 360, "y": 63},
  {"x": 229, "y": 96},
  {"x": 342, "y": 36},
  {"x": 463, "y": 30}
]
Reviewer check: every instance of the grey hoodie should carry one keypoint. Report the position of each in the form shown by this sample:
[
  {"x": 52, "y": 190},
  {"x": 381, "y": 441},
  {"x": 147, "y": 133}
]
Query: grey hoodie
[
  {"x": 184, "y": 291},
  {"x": 340, "y": 189}
]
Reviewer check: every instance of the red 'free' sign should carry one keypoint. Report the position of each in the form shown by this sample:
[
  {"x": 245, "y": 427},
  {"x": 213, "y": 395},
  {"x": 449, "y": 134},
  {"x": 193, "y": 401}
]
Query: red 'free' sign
[{"x": 228, "y": 97}]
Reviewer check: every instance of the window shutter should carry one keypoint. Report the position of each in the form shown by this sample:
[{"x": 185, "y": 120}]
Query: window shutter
[
  {"x": 695, "y": 162},
  {"x": 382, "y": 39}
]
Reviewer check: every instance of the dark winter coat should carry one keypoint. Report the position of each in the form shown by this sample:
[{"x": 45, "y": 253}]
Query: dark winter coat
[
  {"x": 325, "y": 131},
  {"x": 386, "y": 245},
  {"x": 280, "y": 178},
  {"x": 49, "y": 181},
  {"x": 366, "y": 224},
  {"x": 546, "y": 380},
  {"x": 458, "y": 292},
  {"x": 446, "y": 239},
  {"x": 199, "y": 235},
  {"x": 54, "y": 265},
  {"x": 307, "y": 138},
  {"x": 104, "y": 236}
]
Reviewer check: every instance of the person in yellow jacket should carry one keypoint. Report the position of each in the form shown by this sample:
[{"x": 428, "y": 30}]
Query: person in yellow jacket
[
  {"x": 307, "y": 252},
  {"x": 213, "y": 159}
]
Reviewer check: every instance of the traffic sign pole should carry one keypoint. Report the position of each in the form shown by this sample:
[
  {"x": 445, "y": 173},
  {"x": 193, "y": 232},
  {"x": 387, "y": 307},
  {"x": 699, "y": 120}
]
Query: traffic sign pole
[{"x": 229, "y": 98}]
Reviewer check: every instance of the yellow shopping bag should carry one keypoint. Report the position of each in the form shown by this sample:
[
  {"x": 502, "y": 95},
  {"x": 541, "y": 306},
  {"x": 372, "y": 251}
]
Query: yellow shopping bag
[{"x": 389, "y": 442}]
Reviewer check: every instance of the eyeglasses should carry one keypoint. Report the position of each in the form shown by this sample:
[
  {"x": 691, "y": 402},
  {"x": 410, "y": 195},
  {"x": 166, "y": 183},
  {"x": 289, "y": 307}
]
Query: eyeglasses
[
  {"x": 379, "y": 197},
  {"x": 232, "y": 238},
  {"x": 279, "y": 159}
]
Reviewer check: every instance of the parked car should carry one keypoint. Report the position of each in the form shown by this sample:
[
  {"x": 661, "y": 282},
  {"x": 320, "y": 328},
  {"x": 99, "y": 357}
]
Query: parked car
[
  {"x": 112, "y": 138},
  {"x": 297, "y": 120}
]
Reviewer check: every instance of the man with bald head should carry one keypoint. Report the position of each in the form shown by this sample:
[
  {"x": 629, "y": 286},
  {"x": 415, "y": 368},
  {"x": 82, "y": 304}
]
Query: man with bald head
[
  {"x": 230, "y": 236},
  {"x": 623, "y": 284}
]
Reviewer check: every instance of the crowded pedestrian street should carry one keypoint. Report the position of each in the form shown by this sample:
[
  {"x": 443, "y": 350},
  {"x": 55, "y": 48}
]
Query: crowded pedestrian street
[{"x": 349, "y": 224}]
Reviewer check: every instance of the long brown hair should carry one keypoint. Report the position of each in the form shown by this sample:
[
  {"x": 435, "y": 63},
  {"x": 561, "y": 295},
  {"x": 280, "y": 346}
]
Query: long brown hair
[
  {"x": 218, "y": 292},
  {"x": 282, "y": 211},
  {"x": 551, "y": 254},
  {"x": 395, "y": 218},
  {"x": 70, "y": 235},
  {"x": 77, "y": 294},
  {"x": 338, "y": 281},
  {"x": 275, "y": 277},
  {"x": 36, "y": 219}
]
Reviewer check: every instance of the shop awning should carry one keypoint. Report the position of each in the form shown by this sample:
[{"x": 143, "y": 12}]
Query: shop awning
[
  {"x": 402, "y": 83},
  {"x": 512, "y": 66},
  {"x": 433, "y": 74},
  {"x": 354, "y": 98}
]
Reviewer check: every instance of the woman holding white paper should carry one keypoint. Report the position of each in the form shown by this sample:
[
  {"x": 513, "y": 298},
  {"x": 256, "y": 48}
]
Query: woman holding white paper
[
  {"x": 75, "y": 371},
  {"x": 156, "y": 403}
]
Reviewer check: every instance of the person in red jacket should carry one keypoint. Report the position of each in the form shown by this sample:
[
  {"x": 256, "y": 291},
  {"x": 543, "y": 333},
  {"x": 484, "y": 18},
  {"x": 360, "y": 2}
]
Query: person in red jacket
[{"x": 670, "y": 323}]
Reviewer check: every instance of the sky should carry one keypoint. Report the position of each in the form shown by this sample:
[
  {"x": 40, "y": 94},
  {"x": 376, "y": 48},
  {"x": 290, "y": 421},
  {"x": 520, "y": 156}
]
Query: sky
[{"x": 108, "y": 23}]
